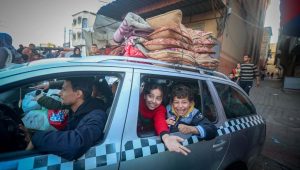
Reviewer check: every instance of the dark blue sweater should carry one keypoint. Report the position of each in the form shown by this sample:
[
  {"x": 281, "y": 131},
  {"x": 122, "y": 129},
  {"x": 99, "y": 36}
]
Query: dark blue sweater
[{"x": 84, "y": 129}]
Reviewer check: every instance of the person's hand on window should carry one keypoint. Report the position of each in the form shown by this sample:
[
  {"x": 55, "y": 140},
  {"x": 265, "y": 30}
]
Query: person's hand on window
[
  {"x": 185, "y": 129},
  {"x": 27, "y": 137},
  {"x": 170, "y": 121},
  {"x": 29, "y": 146},
  {"x": 173, "y": 144},
  {"x": 43, "y": 86},
  {"x": 26, "y": 133}
]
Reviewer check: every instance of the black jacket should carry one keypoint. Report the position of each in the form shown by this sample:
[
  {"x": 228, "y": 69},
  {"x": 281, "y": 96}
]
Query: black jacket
[{"x": 84, "y": 129}]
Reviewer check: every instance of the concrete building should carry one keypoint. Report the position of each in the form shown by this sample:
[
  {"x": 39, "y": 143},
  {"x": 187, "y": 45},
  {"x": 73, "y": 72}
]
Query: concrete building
[
  {"x": 265, "y": 51},
  {"x": 237, "y": 25},
  {"x": 271, "y": 66},
  {"x": 83, "y": 20},
  {"x": 288, "y": 48}
]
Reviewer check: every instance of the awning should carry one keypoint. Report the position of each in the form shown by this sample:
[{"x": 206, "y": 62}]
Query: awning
[
  {"x": 148, "y": 8},
  {"x": 290, "y": 17}
]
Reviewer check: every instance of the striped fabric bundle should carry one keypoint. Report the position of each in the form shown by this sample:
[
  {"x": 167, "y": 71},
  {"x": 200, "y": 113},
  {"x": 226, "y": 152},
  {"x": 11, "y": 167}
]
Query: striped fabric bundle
[{"x": 170, "y": 41}]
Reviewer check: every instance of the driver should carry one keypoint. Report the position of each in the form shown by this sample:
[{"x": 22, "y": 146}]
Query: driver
[{"x": 84, "y": 127}]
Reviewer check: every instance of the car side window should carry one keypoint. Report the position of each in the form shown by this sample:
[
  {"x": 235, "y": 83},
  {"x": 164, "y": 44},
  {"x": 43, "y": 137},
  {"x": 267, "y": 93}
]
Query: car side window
[
  {"x": 208, "y": 106},
  {"x": 201, "y": 100},
  {"x": 235, "y": 103},
  {"x": 38, "y": 106}
]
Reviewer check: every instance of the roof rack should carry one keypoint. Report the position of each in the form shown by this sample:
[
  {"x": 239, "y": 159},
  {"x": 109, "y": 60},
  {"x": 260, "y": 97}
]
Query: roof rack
[{"x": 201, "y": 70}]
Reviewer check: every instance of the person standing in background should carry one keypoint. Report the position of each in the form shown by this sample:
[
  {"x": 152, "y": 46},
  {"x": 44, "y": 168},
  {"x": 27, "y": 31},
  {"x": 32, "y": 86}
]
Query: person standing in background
[
  {"x": 248, "y": 72},
  {"x": 236, "y": 72},
  {"x": 76, "y": 53},
  {"x": 94, "y": 50}
]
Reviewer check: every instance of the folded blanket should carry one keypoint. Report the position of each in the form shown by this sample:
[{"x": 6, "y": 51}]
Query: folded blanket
[
  {"x": 201, "y": 38},
  {"x": 182, "y": 56},
  {"x": 118, "y": 51},
  {"x": 139, "y": 32},
  {"x": 201, "y": 49},
  {"x": 169, "y": 19},
  {"x": 131, "y": 47},
  {"x": 163, "y": 43},
  {"x": 131, "y": 25},
  {"x": 176, "y": 33}
]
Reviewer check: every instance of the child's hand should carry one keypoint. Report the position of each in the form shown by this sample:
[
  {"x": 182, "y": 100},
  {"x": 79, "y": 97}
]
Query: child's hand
[
  {"x": 43, "y": 86},
  {"x": 185, "y": 129},
  {"x": 25, "y": 132},
  {"x": 171, "y": 121},
  {"x": 173, "y": 144},
  {"x": 29, "y": 146}
]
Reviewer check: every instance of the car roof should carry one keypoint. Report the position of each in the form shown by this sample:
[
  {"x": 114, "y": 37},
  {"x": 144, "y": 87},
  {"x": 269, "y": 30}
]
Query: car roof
[{"x": 114, "y": 61}]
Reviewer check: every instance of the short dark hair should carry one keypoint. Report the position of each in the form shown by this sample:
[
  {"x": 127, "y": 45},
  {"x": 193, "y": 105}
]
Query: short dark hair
[
  {"x": 181, "y": 91},
  {"x": 94, "y": 45},
  {"x": 76, "y": 49},
  {"x": 247, "y": 55},
  {"x": 151, "y": 86},
  {"x": 85, "y": 84}
]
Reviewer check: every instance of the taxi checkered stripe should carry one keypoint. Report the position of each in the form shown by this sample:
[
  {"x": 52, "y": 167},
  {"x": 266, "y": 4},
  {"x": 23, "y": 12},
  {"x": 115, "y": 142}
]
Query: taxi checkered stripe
[
  {"x": 239, "y": 124},
  {"x": 101, "y": 155},
  {"x": 107, "y": 154},
  {"x": 144, "y": 147}
]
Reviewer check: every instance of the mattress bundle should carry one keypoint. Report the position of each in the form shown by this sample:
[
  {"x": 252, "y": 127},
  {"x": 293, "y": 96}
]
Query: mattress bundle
[{"x": 165, "y": 38}]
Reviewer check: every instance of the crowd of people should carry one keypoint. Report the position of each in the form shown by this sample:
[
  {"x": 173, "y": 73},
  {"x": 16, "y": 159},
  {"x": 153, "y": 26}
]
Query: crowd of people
[{"x": 9, "y": 55}]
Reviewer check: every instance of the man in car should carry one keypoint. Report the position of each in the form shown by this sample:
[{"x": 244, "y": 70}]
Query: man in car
[
  {"x": 185, "y": 118},
  {"x": 85, "y": 125}
]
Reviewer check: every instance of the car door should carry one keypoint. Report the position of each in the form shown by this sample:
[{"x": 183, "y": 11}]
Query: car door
[
  {"x": 221, "y": 143},
  {"x": 105, "y": 154},
  {"x": 246, "y": 127},
  {"x": 150, "y": 153}
]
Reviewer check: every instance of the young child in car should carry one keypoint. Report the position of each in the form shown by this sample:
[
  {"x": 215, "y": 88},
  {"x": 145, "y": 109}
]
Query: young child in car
[
  {"x": 185, "y": 118},
  {"x": 152, "y": 114}
]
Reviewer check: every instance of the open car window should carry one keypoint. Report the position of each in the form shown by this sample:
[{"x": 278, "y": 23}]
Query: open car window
[
  {"x": 202, "y": 99},
  {"x": 22, "y": 104}
]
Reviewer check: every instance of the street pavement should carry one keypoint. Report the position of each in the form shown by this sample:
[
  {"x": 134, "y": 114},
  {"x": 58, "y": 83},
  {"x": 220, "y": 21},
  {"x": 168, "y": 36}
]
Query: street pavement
[{"x": 281, "y": 109}]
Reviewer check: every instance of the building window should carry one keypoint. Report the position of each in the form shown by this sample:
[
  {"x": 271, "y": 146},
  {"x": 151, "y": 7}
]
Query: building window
[
  {"x": 74, "y": 22},
  {"x": 84, "y": 23},
  {"x": 78, "y": 35},
  {"x": 79, "y": 20},
  {"x": 74, "y": 36}
]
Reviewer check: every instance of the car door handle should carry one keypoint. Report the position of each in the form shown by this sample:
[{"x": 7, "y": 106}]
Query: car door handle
[{"x": 219, "y": 143}]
